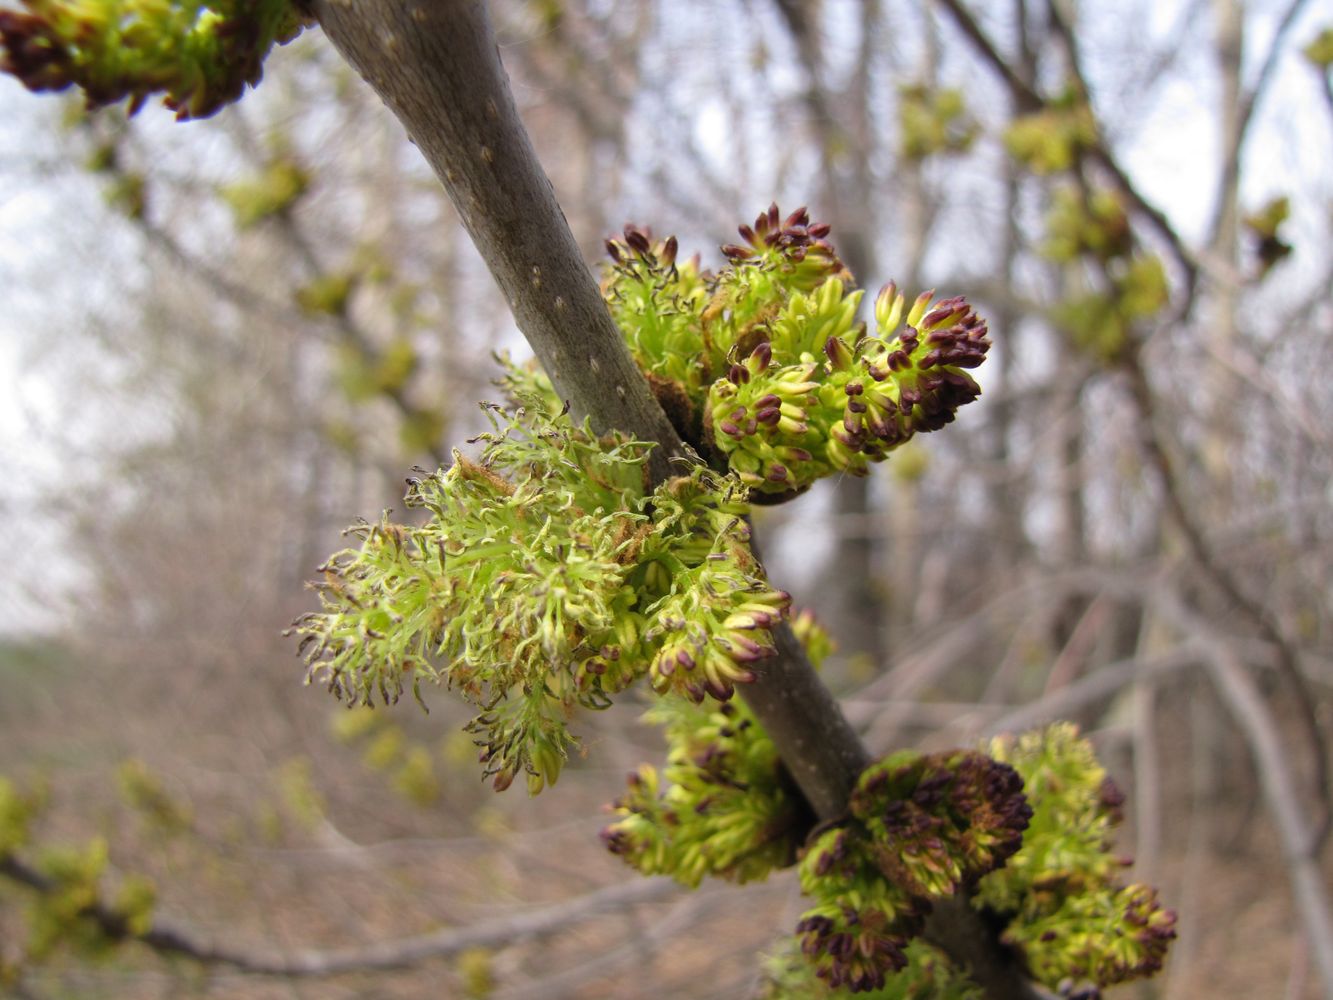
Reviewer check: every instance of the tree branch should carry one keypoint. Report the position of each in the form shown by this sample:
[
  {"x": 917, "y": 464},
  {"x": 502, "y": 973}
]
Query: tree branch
[
  {"x": 166, "y": 938},
  {"x": 1300, "y": 843},
  {"x": 1028, "y": 100},
  {"x": 1225, "y": 582},
  {"x": 1245, "y": 113},
  {"x": 436, "y": 65}
]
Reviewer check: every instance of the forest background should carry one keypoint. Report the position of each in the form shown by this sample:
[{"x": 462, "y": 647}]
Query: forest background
[{"x": 226, "y": 340}]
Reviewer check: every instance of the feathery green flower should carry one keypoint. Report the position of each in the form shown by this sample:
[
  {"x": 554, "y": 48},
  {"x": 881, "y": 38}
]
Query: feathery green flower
[{"x": 545, "y": 579}]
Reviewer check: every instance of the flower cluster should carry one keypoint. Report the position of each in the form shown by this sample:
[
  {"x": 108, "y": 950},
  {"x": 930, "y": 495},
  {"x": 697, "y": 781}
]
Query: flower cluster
[
  {"x": 656, "y": 300},
  {"x": 770, "y": 369},
  {"x": 723, "y": 805},
  {"x": 201, "y": 53},
  {"x": 1060, "y": 896},
  {"x": 1090, "y": 226},
  {"x": 17, "y": 811},
  {"x": 922, "y": 827},
  {"x": 928, "y": 975},
  {"x": 67, "y": 904},
  {"x": 545, "y": 577}
]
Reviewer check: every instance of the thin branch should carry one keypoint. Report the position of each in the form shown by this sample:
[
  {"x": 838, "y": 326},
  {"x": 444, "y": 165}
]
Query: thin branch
[
  {"x": 1288, "y": 662},
  {"x": 1299, "y": 841},
  {"x": 437, "y": 67},
  {"x": 1025, "y": 96},
  {"x": 166, "y": 938},
  {"x": 1101, "y": 155},
  {"x": 1245, "y": 113},
  {"x": 1099, "y": 685},
  {"x": 1028, "y": 100},
  {"x": 259, "y": 304}
]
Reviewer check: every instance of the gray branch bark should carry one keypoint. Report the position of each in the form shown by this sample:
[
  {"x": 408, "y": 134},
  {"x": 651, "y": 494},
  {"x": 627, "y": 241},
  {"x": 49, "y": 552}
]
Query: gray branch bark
[
  {"x": 436, "y": 65},
  {"x": 167, "y": 938}
]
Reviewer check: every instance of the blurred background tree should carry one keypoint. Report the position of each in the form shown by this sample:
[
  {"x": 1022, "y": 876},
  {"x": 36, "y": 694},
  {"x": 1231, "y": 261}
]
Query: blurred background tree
[{"x": 227, "y": 340}]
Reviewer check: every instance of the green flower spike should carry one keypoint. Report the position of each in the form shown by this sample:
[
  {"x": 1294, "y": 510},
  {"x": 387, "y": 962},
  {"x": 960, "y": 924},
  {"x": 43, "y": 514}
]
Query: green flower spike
[
  {"x": 818, "y": 396},
  {"x": 544, "y": 580},
  {"x": 657, "y": 300},
  {"x": 201, "y": 53},
  {"x": 723, "y": 806},
  {"x": 764, "y": 366},
  {"x": 917, "y": 376},
  {"x": 1060, "y": 893},
  {"x": 928, "y": 975},
  {"x": 922, "y": 827},
  {"x": 758, "y": 416},
  {"x": 714, "y": 624},
  {"x": 859, "y": 928}
]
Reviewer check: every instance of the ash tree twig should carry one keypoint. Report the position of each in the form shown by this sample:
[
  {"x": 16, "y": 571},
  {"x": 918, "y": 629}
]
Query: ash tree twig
[
  {"x": 169, "y": 939},
  {"x": 436, "y": 65},
  {"x": 1028, "y": 100}
]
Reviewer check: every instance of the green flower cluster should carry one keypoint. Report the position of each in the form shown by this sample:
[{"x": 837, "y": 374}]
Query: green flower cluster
[
  {"x": 545, "y": 577},
  {"x": 922, "y": 827},
  {"x": 201, "y": 53},
  {"x": 928, "y": 975},
  {"x": 1091, "y": 226},
  {"x": 723, "y": 806},
  {"x": 1060, "y": 895},
  {"x": 765, "y": 366},
  {"x": 1051, "y": 140},
  {"x": 18, "y": 808},
  {"x": 68, "y": 908},
  {"x": 1025, "y": 830}
]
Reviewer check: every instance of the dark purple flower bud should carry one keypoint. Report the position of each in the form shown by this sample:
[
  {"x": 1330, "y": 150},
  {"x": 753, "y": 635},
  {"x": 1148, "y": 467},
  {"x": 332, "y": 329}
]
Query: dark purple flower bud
[
  {"x": 669, "y": 249},
  {"x": 769, "y": 416},
  {"x": 898, "y": 361},
  {"x": 819, "y": 230},
  {"x": 737, "y": 253},
  {"x": 838, "y": 353},
  {"x": 1112, "y": 800},
  {"x": 882, "y": 427},
  {"x": 638, "y": 241},
  {"x": 613, "y": 251},
  {"x": 943, "y": 312},
  {"x": 851, "y": 438}
]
